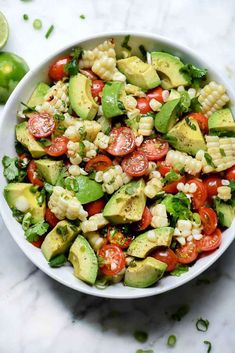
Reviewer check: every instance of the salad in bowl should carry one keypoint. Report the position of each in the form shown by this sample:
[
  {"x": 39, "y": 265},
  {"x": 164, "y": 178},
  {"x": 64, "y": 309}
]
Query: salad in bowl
[{"x": 125, "y": 164}]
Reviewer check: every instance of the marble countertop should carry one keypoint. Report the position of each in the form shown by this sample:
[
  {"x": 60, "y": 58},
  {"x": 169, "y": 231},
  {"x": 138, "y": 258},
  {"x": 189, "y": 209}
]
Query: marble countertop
[{"x": 40, "y": 315}]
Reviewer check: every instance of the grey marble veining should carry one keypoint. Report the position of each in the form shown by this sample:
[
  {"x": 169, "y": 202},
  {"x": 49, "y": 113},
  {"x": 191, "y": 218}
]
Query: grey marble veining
[{"x": 40, "y": 315}]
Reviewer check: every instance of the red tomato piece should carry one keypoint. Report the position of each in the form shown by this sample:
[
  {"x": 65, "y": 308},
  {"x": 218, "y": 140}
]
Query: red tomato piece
[
  {"x": 38, "y": 243},
  {"x": 212, "y": 183},
  {"x": 209, "y": 220},
  {"x": 164, "y": 168},
  {"x": 58, "y": 146},
  {"x": 154, "y": 149},
  {"x": 116, "y": 237},
  {"x": 95, "y": 207},
  {"x": 171, "y": 188},
  {"x": 145, "y": 221},
  {"x": 230, "y": 173},
  {"x": 136, "y": 164},
  {"x": 89, "y": 73},
  {"x": 50, "y": 217},
  {"x": 97, "y": 88},
  {"x": 200, "y": 195},
  {"x": 187, "y": 253},
  {"x": 33, "y": 174},
  {"x": 143, "y": 105},
  {"x": 41, "y": 125},
  {"x": 210, "y": 242},
  {"x": 114, "y": 260},
  {"x": 57, "y": 69},
  {"x": 122, "y": 141},
  {"x": 156, "y": 93},
  {"x": 166, "y": 255},
  {"x": 202, "y": 121},
  {"x": 98, "y": 163}
]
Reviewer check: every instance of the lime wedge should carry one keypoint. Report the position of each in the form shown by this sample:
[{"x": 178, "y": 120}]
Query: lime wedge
[{"x": 4, "y": 30}]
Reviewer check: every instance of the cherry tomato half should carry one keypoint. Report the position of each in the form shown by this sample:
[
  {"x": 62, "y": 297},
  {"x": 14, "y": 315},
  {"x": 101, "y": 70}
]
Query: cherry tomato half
[
  {"x": 33, "y": 174},
  {"x": 122, "y": 141},
  {"x": 38, "y": 243},
  {"x": 97, "y": 88},
  {"x": 166, "y": 255},
  {"x": 143, "y": 105},
  {"x": 212, "y": 183},
  {"x": 57, "y": 69},
  {"x": 116, "y": 237},
  {"x": 202, "y": 121},
  {"x": 187, "y": 253},
  {"x": 210, "y": 242},
  {"x": 164, "y": 168},
  {"x": 50, "y": 217},
  {"x": 114, "y": 260},
  {"x": 98, "y": 163},
  {"x": 58, "y": 146},
  {"x": 156, "y": 93},
  {"x": 145, "y": 221},
  {"x": 230, "y": 173},
  {"x": 95, "y": 207},
  {"x": 200, "y": 195},
  {"x": 209, "y": 220},
  {"x": 136, "y": 164},
  {"x": 41, "y": 125},
  {"x": 171, "y": 188},
  {"x": 154, "y": 149}
]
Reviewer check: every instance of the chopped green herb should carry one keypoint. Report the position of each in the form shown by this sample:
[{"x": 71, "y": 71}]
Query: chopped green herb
[
  {"x": 34, "y": 232},
  {"x": 195, "y": 74},
  {"x": 171, "y": 176},
  {"x": 171, "y": 341},
  {"x": 208, "y": 159},
  {"x": 71, "y": 184},
  {"x": 102, "y": 283},
  {"x": 37, "y": 24},
  {"x": 18, "y": 215},
  {"x": 180, "y": 312},
  {"x": 59, "y": 117},
  {"x": 62, "y": 230},
  {"x": 178, "y": 206},
  {"x": 12, "y": 171},
  {"x": 179, "y": 270},
  {"x": 143, "y": 50},
  {"x": 190, "y": 124},
  {"x": 26, "y": 222},
  {"x": 195, "y": 106},
  {"x": 209, "y": 346},
  {"x": 28, "y": 109},
  {"x": 72, "y": 67},
  {"x": 41, "y": 197},
  {"x": 202, "y": 325},
  {"x": 222, "y": 152},
  {"x": 82, "y": 17},
  {"x": 34, "y": 189},
  {"x": 58, "y": 261},
  {"x": 232, "y": 185},
  {"x": 125, "y": 42},
  {"x": 185, "y": 102},
  {"x": 49, "y": 31},
  {"x": 49, "y": 188},
  {"x": 25, "y": 17},
  {"x": 141, "y": 336}
]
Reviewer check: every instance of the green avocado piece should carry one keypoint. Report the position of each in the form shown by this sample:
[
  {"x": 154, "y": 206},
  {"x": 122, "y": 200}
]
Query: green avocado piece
[
  {"x": 81, "y": 98},
  {"x": 222, "y": 121},
  {"x": 139, "y": 73},
  {"x": 127, "y": 204},
  {"x": 186, "y": 136},
  {"x": 38, "y": 95},
  {"x": 50, "y": 170},
  {"x": 141, "y": 246},
  {"x": 28, "y": 141},
  {"x": 225, "y": 212},
  {"x": 89, "y": 190},
  {"x": 144, "y": 273},
  {"x": 84, "y": 260},
  {"x": 59, "y": 240},
  {"x": 168, "y": 67},
  {"x": 166, "y": 118},
  {"x": 174, "y": 94},
  {"x": 14, "y": 192},
  {"x": 111, "y": 103}
]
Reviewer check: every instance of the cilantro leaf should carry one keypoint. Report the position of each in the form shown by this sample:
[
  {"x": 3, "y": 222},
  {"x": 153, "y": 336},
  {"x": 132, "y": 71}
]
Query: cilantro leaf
[
  {"x": 179, "y": 270},
  {"x": 232, "y": 185},
  {"x": 171, "y": 176},
  {"x": 195, "y": 74},
  {"x": 11, "y": 170},
  {"x": 195, "y": 106},
  {"x": 178, "y": 206},
  {"x": 185, "y": 102},
  {"x": 35, "y": 231}
]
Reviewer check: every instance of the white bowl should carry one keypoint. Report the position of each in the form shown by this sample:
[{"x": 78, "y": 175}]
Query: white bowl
[{"x": 7, "y": 127}]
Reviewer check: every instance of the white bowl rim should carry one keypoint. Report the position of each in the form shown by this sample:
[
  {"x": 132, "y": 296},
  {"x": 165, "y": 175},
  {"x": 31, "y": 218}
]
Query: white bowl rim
[{"x": 137, "y": 292}]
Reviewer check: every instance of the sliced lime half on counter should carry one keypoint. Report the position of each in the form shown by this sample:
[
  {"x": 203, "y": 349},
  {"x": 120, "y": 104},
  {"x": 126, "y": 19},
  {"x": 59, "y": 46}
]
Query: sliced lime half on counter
[{"x": 4, "y": 30}]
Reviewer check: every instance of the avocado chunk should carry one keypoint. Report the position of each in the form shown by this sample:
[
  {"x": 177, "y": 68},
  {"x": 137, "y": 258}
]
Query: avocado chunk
[
  {"x": 168, "y": 67},
  {"x": 174, "y": 94},
  {"x": 111, "y": 103},
  {"x": 59, "y": 240},
  {"x": 144, "y": 273},
  {"x": 186, "y": 136},
  {"x": 84, "y": 260},
  {"x": 225, "y": 212},
  {"x": 50, "y": 170},
  {"x": 166, "y": 118},
  {"x": 38, "y": 95},
  {"x": 127, "y": 204},
  {"x": 81, "y": 98},
  {"x": 222, "y": 122},
  {"x": 21, "y": 192},
  {"x": 141, "y": 246},
  {"x": 28, "y": 141},
  {"x": 88, "y": 190},
  {"x": 139, "y": 73}
]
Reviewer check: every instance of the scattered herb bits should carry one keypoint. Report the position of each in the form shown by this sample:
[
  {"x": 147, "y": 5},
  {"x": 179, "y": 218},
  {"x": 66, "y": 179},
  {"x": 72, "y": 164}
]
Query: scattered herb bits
[
  {"x": 141, "y": 336},
  {"x": 171, "y": 341},
  {"x": 208, "y": 343},
  {"x": 180, "y": 312},
  {"x": 202, "y": 325},
  {"x": 125, "y": 42},
  {"x": 37, "y": 24},
  {"x": 82, "y": 17},
  {"x": 49, "y": 31},
  {"x": 25, "y": 17}
]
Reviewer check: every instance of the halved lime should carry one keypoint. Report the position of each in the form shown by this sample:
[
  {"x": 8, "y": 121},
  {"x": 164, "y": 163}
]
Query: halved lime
[{"x": 4, "y": 30}]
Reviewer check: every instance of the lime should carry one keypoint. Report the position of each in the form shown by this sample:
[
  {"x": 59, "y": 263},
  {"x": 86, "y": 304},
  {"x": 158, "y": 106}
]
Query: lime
[{"x": 4, "y": 30}]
